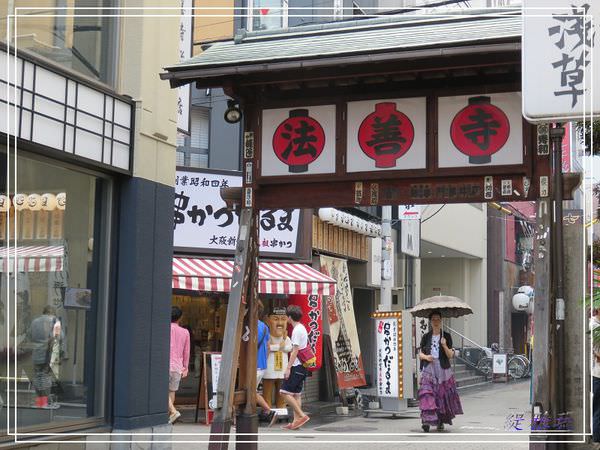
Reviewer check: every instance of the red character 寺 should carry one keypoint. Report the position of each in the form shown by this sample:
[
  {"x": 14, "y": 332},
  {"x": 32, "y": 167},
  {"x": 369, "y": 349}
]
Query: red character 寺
[{"x": 479, "y": 130}]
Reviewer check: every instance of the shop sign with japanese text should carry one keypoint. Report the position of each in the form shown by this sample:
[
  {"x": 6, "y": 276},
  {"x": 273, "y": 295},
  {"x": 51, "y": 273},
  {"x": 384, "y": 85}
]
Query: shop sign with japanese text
[
  {"x": 203, "y": 221},
  {"x": 387, "y": 357},
  {"x": 560, "y": 54}
]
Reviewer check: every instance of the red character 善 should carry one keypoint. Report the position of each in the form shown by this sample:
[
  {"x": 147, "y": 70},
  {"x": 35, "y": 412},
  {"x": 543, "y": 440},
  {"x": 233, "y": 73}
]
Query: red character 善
[{"x": 385, "y": 135}]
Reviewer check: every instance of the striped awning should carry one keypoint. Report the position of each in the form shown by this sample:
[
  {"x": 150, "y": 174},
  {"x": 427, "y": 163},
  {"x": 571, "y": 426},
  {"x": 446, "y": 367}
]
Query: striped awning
[
  {"x": 32, "y": 258},
  {"x": 596, "y": 280},
  {"x": 214, "y": 275}
]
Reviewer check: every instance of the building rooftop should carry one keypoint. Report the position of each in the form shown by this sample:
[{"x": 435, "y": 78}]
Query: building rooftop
[{"x": 367, "y": 38}]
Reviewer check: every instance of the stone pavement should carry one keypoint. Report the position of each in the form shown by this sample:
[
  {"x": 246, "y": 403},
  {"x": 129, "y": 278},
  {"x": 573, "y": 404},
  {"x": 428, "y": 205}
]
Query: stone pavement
[{"x": 487, "y": 418}]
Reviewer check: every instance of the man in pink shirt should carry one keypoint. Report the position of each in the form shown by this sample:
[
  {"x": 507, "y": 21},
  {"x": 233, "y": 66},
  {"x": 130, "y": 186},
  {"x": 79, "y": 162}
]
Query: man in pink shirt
[{"x": 179, "y": 360}]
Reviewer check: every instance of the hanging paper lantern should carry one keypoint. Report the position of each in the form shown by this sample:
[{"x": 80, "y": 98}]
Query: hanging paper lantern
[
  {"x": 61, "y": 201},
  {"x": 4, "y": 203},
  {"x": 49, "y": 202},
  {"x": 34, "y": 202},
  {"x": 20, "y": 202}
]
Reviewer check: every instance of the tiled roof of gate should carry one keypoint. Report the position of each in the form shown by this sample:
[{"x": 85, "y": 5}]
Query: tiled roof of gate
[{"x": 389, "y": 34}]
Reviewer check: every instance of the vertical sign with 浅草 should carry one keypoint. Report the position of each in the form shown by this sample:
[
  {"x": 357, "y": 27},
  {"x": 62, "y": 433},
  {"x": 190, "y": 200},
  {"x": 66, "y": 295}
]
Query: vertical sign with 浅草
[
  {"x": 186, "y": 31},
  {"x": 560, "y": 59}
]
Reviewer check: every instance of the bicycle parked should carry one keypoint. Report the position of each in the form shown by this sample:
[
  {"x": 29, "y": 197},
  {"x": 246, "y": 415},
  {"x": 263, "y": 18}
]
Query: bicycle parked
[{"x": 519, "y": 366}]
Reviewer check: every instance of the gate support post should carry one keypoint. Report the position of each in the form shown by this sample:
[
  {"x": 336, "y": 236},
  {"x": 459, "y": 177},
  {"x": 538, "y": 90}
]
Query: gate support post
[{"x": 243, "y": 269}]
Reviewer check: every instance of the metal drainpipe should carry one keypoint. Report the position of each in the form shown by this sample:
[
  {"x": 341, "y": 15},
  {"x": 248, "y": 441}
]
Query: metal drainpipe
[{"x": 556, "y": 135}]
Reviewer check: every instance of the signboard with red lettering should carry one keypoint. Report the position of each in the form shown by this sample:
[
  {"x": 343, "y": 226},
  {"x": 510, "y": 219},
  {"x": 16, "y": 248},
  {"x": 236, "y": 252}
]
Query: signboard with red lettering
[
  {"x": 312, "y": 319},
  {"x": 388, "y": 357},
  {"x": 298, "y": 141},
  {"x": 386, "y": 135},
  {"x": 480, "y": 130}
]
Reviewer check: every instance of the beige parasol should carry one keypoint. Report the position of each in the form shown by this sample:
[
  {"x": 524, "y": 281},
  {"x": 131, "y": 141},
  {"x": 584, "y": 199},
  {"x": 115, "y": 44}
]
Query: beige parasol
[{"x": 447, "y": 305}]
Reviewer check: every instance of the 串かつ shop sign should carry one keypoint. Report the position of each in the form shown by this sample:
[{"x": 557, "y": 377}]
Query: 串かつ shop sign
[{"x": 203, "y": 221}]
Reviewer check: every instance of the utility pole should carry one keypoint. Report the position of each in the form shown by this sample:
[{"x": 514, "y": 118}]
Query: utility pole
[
  {"x": 385, "y": 301},
  {"x": 556, "y": 136}
]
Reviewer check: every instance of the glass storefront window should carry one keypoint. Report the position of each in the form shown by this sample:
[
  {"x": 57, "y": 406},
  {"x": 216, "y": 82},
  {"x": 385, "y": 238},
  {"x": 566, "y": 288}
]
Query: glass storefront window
[
  {"x": 74, "y": 37},
  {"x": 53, "y": 293}
]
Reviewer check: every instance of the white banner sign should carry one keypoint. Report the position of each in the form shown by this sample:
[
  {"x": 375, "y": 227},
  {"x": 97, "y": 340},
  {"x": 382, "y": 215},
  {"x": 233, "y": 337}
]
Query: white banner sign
[
  {"x": 560, "y": 54},
  {"x": 215, "y": 366},
  {"x": 186, "y": 32},
  {"x": 202, "y": 220},
  {"x": 387, "y": 357},
  {"x": 410, "y": 237}
]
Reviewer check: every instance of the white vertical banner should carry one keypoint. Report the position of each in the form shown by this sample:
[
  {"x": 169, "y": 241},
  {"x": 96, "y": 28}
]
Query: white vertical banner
[
  {"x": 186, "y": 33},
  {"x": 410, "y": 237},
  {"x": 387, "y": 357},
  {"x": 560, "y": 59}
]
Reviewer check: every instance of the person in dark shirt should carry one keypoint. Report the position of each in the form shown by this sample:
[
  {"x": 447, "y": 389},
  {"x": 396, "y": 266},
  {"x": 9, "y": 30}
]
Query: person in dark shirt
[{"x": 438, "y": 398}]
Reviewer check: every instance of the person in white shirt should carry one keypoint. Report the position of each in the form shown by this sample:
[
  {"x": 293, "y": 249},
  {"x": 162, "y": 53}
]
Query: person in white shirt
[{"x": 295, "y": 373}]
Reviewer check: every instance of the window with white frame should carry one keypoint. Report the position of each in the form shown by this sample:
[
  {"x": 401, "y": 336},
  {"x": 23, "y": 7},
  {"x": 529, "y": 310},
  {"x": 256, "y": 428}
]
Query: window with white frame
[
  {"x": 192, "y": 151},
  {"x": 267, "y": 14}
]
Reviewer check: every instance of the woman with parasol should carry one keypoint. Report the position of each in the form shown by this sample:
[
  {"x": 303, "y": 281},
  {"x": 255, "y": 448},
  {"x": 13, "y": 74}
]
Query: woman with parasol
[{"x": 438, "y": 398}]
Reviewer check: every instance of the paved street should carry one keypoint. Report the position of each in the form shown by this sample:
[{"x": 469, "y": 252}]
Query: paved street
[{"x": 486, "y": 411}]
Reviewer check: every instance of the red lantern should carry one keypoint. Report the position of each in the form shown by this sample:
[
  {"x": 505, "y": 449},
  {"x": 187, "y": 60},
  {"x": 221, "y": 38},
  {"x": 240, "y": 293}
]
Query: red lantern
[
  {"x": 386, "y": 135},
  {"x": 298, "y": 140},
  {"x": 312, "y": 319},
  {"x": 479, "y": 130}
]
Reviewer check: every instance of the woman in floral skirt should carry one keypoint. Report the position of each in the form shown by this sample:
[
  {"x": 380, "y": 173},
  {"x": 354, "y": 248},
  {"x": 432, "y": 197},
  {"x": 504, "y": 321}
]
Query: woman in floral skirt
[{"x": 438, "y": 398}]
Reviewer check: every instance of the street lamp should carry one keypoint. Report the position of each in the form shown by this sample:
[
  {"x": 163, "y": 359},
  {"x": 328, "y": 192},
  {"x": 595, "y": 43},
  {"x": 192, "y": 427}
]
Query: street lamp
[{"x": 233, "y": 113}]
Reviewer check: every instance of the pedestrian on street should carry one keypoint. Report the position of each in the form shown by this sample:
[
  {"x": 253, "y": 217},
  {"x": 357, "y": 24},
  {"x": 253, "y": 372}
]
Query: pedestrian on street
[
  {"x": 594, "y": 328},
  {"x": 438, "y": 398},
  {"x": 261, "y": 363},
  {"x": 179, "y": 360},
  {"x": 296, "y": 373}
]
